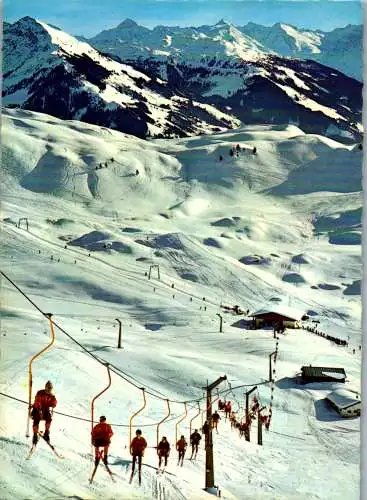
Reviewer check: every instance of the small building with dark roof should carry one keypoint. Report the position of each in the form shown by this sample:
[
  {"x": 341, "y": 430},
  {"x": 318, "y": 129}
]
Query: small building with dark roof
[
  {"x": 346, "y": 403},
  {"x": 277, "y": 316},
  {"x": 322, "y": 374}
]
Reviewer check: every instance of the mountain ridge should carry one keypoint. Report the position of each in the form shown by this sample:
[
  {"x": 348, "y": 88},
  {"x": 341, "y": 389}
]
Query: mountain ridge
[{"x": 166, "y": 91}]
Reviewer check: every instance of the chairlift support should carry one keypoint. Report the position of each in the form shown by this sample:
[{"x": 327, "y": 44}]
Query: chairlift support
[
  {"x": 136, "y": 413},
  {"x": 100, "y": 393},
  {"x": 179, "y": 421},
  {"x": 196, "y": 415},
  {"x": 165, "y": 418},
  {"x": 30, "y": 375}
]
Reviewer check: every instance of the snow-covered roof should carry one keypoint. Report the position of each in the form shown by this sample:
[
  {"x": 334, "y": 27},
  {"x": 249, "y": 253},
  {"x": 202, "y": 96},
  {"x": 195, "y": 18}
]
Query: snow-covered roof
[
  {"x": 343, "y": 398},
  {"x": 288, "y": 312},
  {"x": 339, "y": 376}
]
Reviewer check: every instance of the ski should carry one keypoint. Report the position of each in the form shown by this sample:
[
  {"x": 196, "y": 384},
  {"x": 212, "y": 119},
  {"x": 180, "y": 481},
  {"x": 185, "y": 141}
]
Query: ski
[
  {"x": 40, "y": 433},
  {"x": 131, "y": 477},
  {"x": 31, "y": 451},
  {"x": 93, "y": 473},
  {"x": 109, "y": 472}
]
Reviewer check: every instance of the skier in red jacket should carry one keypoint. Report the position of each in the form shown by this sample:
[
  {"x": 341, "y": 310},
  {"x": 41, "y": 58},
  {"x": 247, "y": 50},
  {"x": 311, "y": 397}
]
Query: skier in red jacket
[
  {"x": 42, "y": 407},
  {"x": 181, "y": 446},
  {"x": 101, "y": 436},
  {"x": 137, "y": 448}
]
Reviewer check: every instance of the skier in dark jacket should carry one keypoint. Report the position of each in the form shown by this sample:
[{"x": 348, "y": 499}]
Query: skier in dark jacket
[
  {"x": 206, "y": 428},
  {"x": 195, "y": 441},
  {"x": 215, "y": 418},
  {"x": 42, "y": 408},
  {"x": 163, "y": 450}
]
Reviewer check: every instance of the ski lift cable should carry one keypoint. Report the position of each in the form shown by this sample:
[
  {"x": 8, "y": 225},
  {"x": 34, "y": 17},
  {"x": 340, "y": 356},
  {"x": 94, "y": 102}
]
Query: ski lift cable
[
  {"x": 124, "y": 377},
  {"x": 87, "y": 419}
]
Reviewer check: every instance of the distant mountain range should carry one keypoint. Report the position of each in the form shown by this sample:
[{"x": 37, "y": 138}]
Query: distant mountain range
[
  {"x": 170, "y": 82},
  {"x": 341, "y": 48}
]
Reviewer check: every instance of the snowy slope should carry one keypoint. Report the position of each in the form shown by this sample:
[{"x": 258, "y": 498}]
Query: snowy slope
[
  {"x": 201, "y": 220},
  {"x": 48, "y": 70}
]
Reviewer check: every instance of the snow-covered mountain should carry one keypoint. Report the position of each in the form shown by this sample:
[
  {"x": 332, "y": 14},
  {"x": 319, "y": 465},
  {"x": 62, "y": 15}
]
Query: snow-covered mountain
[
  {"x": 48, "y": 70},
  {"x": 250, "y": 230},
  {"x": 340, "y": 48},
  {"x": 235, "y": 72},
  {"x": 185, "y": 81}
]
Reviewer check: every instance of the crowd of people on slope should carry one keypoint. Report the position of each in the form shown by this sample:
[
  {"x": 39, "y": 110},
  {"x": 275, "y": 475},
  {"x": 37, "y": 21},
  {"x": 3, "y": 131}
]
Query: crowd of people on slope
[
  {"x": 314, "y": 330},
  {"x": 244, "y": 424},
  {"x": 236, "y": 150}
]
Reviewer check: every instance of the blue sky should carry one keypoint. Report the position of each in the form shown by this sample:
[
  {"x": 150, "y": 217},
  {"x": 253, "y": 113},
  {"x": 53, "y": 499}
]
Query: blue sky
[{"x": 89, "y": 17}]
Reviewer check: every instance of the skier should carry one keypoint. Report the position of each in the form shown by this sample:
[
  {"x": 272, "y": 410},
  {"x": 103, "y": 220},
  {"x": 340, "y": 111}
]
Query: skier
[
  {"x": 227, "y": 408},
  {"x": 206, "y": 428},
  {"x": 254, "y": 151},
  {"x": 216, "y": 419},
  {"x": 137, "y": 448},
  {"x": 220, "y": 405},
  {"x": 195, "y": 441},
  {"x": 101, "y": 436},
  {"x": 137, "y": 172},
  {"x": 181, "y": 446},
  {"x": 44, "y": 400},
  {"x": 220, "y": 158},
  {"x": 163, "y": 450}
]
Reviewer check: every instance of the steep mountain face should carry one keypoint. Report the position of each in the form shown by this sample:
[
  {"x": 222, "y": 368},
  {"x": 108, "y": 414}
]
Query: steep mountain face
[
  {"x": 236, "y": 73},
  {"x": 48, "y": 70}
]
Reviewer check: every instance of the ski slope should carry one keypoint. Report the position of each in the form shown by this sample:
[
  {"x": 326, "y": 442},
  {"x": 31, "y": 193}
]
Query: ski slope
[{"x": 204, "y": 222}]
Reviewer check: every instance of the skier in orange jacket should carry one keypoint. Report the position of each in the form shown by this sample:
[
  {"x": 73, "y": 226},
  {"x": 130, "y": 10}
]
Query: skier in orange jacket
[{"x": 42, "y": 407}]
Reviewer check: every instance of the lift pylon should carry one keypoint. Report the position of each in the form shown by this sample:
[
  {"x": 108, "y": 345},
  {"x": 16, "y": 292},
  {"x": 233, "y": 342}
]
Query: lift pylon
[
  {"x": 135, "y": 414},
  {"x": 161, "y": 422},
  {"x": 30, "y": 376}
]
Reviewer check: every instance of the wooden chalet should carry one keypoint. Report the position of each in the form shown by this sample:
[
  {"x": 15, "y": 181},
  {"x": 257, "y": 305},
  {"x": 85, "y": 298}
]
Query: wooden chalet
[
  {"x": 322, "y": 374},
  {"x": 277, "y": 316}
]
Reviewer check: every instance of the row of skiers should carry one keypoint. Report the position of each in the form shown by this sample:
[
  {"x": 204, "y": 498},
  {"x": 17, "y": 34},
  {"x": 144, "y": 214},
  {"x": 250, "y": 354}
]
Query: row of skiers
[
  {"x": 105, "y": 165},
  {"x": 42, "y": 409},
  {"x": 102, "y": 434}
]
